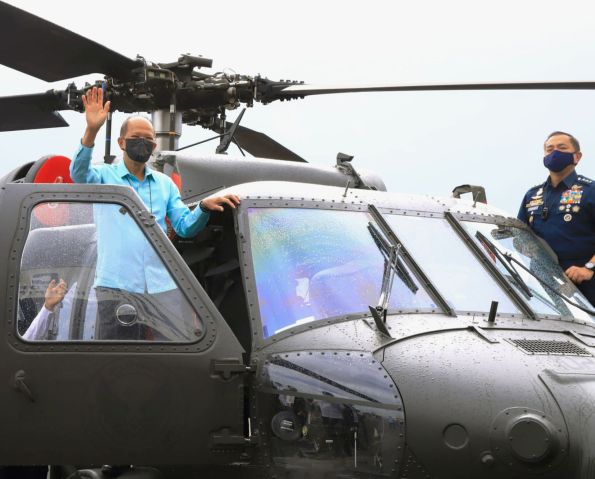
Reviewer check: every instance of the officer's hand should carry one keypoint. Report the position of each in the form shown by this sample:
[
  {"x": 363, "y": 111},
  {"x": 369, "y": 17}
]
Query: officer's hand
[
  {"x": 578, "y": 274},
  {"x": 54, "y": 294},
  {"x": 95, "y": 111},
  {"x": 218, "y": 203}
]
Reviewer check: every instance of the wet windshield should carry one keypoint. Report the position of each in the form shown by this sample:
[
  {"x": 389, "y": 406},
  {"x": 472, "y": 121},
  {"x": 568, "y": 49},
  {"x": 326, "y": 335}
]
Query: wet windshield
[
  {"x": 450, "y": 264},
  {"x": 312, "y": 264},
  {"x": 527, "y": 249}
]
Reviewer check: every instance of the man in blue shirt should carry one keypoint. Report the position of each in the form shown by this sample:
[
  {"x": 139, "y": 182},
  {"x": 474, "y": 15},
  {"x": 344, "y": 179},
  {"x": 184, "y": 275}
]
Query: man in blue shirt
[
  {"x": 128, "y": 268},
  {"x": 562, "y": 211}
]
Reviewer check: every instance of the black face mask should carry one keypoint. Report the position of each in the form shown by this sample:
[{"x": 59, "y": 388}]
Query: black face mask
[{"x": 139, "y": 149}]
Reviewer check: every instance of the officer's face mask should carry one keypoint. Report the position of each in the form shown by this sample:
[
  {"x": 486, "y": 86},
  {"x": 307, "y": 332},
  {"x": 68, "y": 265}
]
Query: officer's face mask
[
  {"x": 139, "y": 149},
  {"x": 557, "y": 160}
]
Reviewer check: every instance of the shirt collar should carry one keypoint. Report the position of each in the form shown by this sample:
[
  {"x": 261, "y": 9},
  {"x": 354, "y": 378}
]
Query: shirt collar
[
  {"x": 123, "y": 171},
  {"x": 568, "y": 180}
]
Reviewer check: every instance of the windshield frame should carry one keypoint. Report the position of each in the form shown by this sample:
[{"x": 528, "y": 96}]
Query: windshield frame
[{"x": 247, "y": 267}]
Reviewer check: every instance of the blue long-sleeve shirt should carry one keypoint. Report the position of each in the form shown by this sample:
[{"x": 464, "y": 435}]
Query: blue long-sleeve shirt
[{"x": 125, "y": 259}]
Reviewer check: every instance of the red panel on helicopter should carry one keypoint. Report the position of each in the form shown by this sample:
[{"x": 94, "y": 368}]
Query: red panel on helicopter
[{"x": 52, "y": 169}]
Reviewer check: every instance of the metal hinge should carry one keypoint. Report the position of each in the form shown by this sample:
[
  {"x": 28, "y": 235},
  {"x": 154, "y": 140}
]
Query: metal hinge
[{"x": 226, "y": 368}]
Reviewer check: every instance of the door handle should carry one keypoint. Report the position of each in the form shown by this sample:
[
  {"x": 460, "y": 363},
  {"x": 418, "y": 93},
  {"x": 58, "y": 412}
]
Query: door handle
[{"x": 20, "y": 385}]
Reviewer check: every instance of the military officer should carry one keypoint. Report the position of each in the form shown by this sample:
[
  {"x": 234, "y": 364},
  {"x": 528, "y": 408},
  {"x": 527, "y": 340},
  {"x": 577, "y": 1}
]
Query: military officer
[{"x": 561, "y": 210}]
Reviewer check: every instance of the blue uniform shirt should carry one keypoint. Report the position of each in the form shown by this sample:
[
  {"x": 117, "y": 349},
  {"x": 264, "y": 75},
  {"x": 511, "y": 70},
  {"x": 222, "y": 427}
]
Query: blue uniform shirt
[
  {"x": 564, "y": 217},
  {"x": 125, "y": 259}
]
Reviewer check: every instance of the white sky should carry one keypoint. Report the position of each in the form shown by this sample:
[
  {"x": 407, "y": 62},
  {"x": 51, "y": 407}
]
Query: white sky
[{"x": 425, "y": 142}]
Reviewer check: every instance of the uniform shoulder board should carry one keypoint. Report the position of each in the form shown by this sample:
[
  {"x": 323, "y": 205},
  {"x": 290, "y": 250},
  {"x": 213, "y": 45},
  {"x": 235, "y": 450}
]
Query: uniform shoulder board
[{"x": 584, "y": 180}]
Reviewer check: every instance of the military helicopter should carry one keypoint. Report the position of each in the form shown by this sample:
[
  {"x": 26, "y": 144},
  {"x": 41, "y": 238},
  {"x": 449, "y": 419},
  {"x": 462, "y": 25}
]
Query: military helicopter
[{"x": 330, "y": 329}]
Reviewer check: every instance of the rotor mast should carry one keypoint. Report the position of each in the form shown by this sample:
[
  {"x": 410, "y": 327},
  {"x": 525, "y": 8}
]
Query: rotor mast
[{"x": 168, "y": 129}]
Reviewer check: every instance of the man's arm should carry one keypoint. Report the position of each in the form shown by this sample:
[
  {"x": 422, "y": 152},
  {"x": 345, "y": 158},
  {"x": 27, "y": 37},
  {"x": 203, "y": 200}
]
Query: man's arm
[
  {"x": 96, "y": 113},
  {"x": 188, "y": 223},
  {"x": 39, "y": 326},
  {"x": 580, "y": 274}
]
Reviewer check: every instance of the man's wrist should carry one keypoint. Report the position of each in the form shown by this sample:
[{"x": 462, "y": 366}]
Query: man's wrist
[
  {"x": 202, "y": 208},
  {"x": 89, "y": 136}
]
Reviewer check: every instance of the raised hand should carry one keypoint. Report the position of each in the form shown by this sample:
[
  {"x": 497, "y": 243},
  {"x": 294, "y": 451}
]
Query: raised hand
[
  {"x": 95, "y": 114},
  {"x": 54, "y": 293}
]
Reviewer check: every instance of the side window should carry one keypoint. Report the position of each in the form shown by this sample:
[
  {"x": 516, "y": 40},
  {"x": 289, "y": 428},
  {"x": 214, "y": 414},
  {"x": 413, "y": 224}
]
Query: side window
[{"x": 106, "y": 280}]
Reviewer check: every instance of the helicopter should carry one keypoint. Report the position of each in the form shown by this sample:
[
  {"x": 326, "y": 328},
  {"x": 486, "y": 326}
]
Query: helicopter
[{"x": 331, "y": 329}]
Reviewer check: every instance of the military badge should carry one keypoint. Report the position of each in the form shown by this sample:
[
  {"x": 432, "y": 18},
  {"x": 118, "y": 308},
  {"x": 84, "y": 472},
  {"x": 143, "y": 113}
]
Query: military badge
[
  {"x": 572, "y": 196},
  {"x": 567, "y": 217},
  {"x": 576, "y": 209}
]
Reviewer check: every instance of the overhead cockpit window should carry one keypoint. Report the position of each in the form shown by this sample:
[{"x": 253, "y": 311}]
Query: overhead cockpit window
[
  {"x": 526, "y": 249},
  {"x": 312, "y": 264},
  {"x": 89, "y": 273}
]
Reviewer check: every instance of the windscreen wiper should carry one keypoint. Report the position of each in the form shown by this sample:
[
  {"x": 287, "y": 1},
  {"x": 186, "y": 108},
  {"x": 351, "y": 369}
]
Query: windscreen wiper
[
  {"x": 391, "y": 255},
  {"x": 506, "y": 261},
  {"x": 390, "y": 238}
]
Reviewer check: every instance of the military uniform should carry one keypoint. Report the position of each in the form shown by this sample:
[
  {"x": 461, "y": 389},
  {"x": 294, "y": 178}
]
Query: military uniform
[{"x": 564, "y": 217}]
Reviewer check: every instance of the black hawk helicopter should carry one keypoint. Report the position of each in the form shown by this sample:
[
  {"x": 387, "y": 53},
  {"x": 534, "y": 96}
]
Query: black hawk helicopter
[{"x": 331, "y": 329}]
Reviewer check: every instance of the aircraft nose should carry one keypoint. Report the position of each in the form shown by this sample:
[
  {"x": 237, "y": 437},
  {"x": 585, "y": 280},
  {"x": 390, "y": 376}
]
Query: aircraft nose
[{"x": 479, "y": 408}]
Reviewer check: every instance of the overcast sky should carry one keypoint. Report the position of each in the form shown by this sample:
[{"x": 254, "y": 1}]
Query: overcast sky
[{"x": 425, "y": 142}]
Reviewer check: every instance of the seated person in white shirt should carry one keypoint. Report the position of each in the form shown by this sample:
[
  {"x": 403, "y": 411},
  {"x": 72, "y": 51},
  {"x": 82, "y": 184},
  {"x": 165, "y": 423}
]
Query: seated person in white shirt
[{"x": 38, "y": 328}]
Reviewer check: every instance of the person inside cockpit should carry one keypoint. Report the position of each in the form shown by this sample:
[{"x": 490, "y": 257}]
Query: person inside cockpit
[{"x": 40, "y": 326}]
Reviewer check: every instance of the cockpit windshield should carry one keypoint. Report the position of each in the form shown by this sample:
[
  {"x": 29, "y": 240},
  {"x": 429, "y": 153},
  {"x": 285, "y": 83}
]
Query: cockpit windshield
[
  {"x": 312, "y": 264},
  {"x": 525, "y": 248}
]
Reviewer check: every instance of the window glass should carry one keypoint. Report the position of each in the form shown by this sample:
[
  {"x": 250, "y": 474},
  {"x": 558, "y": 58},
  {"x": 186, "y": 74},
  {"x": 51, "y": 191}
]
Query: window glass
[
  {"x": 450, "y": 264},
  {"x": 527, "y": 249},
  {"x": 312, "y": 264},
  {"x": 111, "y": 282}
]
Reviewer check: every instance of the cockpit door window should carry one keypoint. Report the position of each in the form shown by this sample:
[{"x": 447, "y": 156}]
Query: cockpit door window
[{"x": 114, "y": 285}]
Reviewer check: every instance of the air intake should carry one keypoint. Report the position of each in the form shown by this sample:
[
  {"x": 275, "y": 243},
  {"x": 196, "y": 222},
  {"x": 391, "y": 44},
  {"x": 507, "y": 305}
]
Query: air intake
[{"x": 558, "y": 348}]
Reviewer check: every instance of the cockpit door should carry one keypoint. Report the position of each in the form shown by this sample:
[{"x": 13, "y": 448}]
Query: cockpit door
[{"x": 135, "y": 365}]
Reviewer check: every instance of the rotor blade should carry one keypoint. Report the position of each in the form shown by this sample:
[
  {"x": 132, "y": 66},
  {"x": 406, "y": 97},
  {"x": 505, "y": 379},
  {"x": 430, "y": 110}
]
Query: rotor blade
[
  {"x": 262, "y": 146},
  {"x": 279, "y": 92},
  {"x": 47, "y": 51},
  {"x": 30, "y": 112}
]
